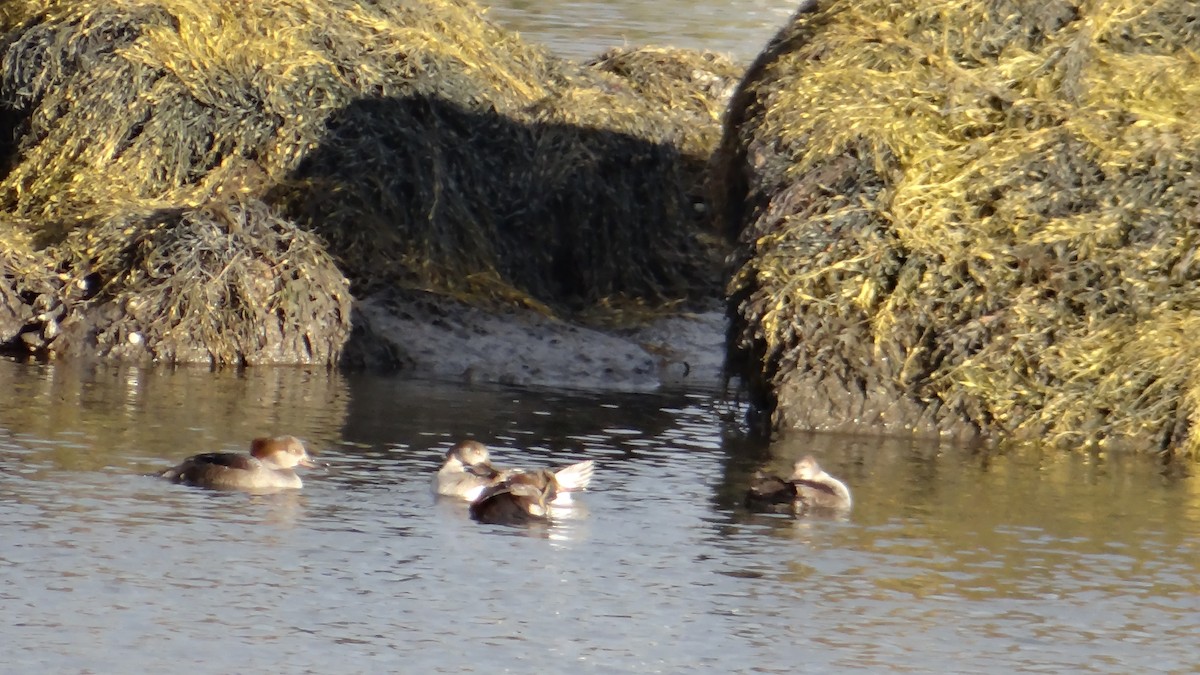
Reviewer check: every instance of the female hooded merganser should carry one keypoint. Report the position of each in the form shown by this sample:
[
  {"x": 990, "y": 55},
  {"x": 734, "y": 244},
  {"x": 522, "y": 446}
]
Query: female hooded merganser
[
  {"x": 468, "y": 472},
  {"x": 269, "y": 465},
  {"x": 818, "y": 489},
  {"x": 809, "y": 487},
  {"x": 521, "y": 498}
]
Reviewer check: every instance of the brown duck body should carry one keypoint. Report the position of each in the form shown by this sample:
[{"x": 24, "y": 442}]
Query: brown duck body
[
  {"x": 770, "y": 493},
  {"x": 520, "y": 498},
  {"x": 269, "y": 465}
]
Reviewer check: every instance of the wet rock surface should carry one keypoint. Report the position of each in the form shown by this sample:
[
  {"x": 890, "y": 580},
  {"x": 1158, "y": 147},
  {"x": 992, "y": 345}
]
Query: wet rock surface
[{"x": 430, "y": 336}]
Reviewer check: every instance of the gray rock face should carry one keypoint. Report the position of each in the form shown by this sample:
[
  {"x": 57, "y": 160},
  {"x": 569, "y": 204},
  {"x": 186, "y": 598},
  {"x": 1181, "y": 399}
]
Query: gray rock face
[{"x": 440, "y": 338}]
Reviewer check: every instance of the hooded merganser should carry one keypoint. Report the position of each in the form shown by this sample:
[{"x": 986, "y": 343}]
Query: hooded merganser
[
  {"x": 269, "y": 465},
  {"x": 521, "y": 498},
  {"x": 468, "y": 472},
  {"x": 808, "y": 487},
  {"x": 818, "y": 489}
]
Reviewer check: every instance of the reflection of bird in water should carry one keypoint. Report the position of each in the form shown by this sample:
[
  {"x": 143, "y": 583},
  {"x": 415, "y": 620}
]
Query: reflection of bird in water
[{"x": 809, "y": 487}]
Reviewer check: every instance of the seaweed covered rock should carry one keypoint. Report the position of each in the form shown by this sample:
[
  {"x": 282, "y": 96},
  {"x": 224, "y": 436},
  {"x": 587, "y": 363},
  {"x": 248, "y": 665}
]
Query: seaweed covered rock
[
  {"x": 29, "y": 309},
  {"x": 574, "y": 187},
  {"x": 971, "y": 218},
  {"x": 227, "y": 283},
  {"x": 695, "y": 88},
  {"x": 414, "y": 144}
]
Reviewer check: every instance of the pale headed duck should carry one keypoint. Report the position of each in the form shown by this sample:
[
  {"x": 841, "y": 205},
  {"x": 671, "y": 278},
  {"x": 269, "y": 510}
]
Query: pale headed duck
[
  {"x": 467, "y": 471},
  {"x": 816, "y": 488},
  {"x": 809, "y": 487}
]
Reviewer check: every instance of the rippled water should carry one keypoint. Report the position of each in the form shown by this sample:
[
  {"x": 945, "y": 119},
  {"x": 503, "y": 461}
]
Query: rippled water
[{"x": 950, "y": 561}]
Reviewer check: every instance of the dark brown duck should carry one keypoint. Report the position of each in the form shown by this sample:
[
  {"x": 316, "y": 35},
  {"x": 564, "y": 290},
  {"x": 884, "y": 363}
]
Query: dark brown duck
[{"x": 520, "y": 498}]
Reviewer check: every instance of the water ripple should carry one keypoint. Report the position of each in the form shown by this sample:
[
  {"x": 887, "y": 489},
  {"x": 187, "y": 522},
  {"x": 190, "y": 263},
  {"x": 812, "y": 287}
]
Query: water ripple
[{"x": 944, "y": 564}]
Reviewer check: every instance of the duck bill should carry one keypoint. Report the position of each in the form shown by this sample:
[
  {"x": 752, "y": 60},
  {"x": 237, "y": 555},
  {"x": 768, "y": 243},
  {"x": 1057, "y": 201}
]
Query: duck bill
[{"x": 481, "y": 470}]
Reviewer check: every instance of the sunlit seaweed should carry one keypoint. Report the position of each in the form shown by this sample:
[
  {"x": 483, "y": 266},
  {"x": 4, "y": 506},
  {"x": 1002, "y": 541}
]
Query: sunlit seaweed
[
  {"x": 972, "y": 216},
  {"x": 422, "y": 145}
]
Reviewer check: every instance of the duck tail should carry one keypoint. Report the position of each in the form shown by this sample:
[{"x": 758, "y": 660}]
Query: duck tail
[{"x": 575, "y": 477}]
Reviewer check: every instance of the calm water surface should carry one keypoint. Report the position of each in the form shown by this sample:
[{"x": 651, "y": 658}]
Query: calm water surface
[
  {"x": 950, "y": 561},
  {"x": 584, "y": 30}
]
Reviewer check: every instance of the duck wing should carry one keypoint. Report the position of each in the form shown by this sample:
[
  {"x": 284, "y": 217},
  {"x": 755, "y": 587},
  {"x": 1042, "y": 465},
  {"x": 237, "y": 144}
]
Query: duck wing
[
  {"x": 231, "y": 460},
  {"x": 819, "y": 495},
  {"x": 187, "y": 469},
  {"x": 575, "y": 477},
  {"x": 518, "y": 500}
]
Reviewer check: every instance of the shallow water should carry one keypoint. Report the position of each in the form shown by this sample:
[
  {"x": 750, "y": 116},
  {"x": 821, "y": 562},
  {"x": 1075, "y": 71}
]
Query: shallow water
[
  {"x": 583, "y": 30},
  {"x": 950, "y": 561}
]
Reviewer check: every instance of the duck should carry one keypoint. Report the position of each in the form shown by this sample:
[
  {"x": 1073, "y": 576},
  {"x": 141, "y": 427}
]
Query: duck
[
  {"x": 269, "y": 465},
  {"x": 467, "y": 473},
  {"x": 520, "y": 498},
  {"x": 809, "y": 487},
  {"x": 816, "y": 488}
]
